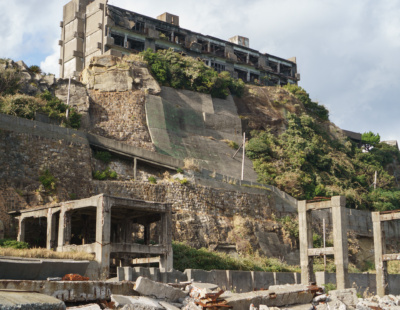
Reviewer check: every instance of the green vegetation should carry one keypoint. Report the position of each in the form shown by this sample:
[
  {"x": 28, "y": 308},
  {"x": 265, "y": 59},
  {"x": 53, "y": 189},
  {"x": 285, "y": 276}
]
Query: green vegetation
[
  {"x": 9, "y": 82},
  {"x": 187, "y": 257},
  {"x": 35, "y": 69},
  {"x": 179, "y": 170},
  {"x": 290, "y": 225},
  {"x": 184, "y": 181},
  {"x": 48, "y": 180},
  {"x": 370, "y": 140},
  {"x": 177, "y": 71},
  {"x": 232, "y": 144},
  {"x": 13, "y": 244},
  {"x": 152, "y": 179},
  {"x": 329, "y": 287},
  {"x": 307, "y": 161},
  {"x": 106, "y": 174},
  {"x": 105, "y": 156},
  {"x": 26, "y": 106},
  {"x": 311, "y": 107}
]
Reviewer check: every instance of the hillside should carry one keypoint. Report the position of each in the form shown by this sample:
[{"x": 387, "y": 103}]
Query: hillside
[{"x": 198, "y": 124}]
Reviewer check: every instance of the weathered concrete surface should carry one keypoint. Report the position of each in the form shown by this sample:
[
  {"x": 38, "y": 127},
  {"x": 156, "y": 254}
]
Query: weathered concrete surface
[
  {"x": 346, "y": 296},
  {"x": 15, "y": 268},
  {"x": 147, "y": 287},
  {"x": 85, "y": 307},
  {"x": 71, "y": 291},
  {"x": 139, "y": 302},
  {"x": 168, "y": 306},
  {"x": 27, "y": 300},
  {"x": 276, "y": 297}
]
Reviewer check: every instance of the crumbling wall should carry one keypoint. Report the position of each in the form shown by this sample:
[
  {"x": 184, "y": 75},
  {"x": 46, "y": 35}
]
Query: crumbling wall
[
  {"x": 120, "y": 116},
  {"x": 211, "y": 217}
]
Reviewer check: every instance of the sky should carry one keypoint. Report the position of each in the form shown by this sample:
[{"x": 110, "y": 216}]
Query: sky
[{"x": 348, "y": 52}]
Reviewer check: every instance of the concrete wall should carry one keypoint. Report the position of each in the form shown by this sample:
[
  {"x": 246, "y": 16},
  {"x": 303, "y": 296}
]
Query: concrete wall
[{"x": 363, "y": 282}]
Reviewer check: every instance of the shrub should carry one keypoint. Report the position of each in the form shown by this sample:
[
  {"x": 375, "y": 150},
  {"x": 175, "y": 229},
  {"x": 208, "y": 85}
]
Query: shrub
[
  {"x": 106, "y": 174},
  {"x": 184, "y": 181},
  {"x": 152, "y": 179},
  {"x": 9, "y": 81},
  {"x": 14, "y": 244},
  {"x": 177, "y": 71},
  {"x": 47, "y": 180},
  {"x": 103, "y": 156},
  {"x": 35, "y": 69},
  {"x": 179, "y": 170}
]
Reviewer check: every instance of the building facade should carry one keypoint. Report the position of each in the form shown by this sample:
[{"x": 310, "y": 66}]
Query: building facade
[{"x": 92, "y": 28}]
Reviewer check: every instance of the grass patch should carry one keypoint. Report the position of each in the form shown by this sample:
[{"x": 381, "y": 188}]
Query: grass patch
[
  {"x": 14, "y": 244},
  {"x": 186, "y": 257},
  {"x": 44, "y": 253}
]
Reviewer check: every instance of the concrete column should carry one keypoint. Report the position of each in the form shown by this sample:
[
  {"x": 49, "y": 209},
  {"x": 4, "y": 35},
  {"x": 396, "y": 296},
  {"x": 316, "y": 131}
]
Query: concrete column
[
  {"x": 379, "y": 247},
  {"x": 248, "y": 76},
  {"x": 339, "y": 223},
  {"x": 306, "y": 242},
  {"x": 149, "y": 43},
  {"x": 166, "y": 260},
  {"x": 134, "y": 168},
  {"x": 49, "y": 228},
  {"x": 278, "y": 67},
  {"x": 247, "y": 58},
  {"x": 147, "y": 233},
  {"x": 21, "y": 229},
  {"x": 103, "y": 234},
  {"x": 64, "y": 229}
]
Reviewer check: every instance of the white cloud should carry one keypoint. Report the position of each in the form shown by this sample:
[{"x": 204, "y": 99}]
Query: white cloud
[{"x": 50, "y": 64}]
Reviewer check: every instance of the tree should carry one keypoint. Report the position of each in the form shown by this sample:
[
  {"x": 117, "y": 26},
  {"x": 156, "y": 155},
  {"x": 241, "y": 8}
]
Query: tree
[{"x": 370, "y": 140}]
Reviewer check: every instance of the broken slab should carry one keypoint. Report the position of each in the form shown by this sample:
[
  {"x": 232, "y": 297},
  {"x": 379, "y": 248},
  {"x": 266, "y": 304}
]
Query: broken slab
[
  {"x": 70, "y": 291},
  {"x": 347, "y": 296},
  {"x": 148, "y": 287},
  {"x": 85, "y": 307},
  {"x": 28, "y": 300},
  {"x": 168, "y": 306},
  {"x": 279, "y": 295},
  {"x": 138, "y": 302}
]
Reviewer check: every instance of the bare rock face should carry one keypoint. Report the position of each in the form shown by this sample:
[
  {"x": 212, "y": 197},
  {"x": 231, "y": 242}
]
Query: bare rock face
[{"x": 109, "y": 73}]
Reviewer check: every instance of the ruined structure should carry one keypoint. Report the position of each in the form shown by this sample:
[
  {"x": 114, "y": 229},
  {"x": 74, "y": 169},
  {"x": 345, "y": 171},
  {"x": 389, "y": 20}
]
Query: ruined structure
[
  {"x": 92, "y": 28},
  {"x": 105, "y": 226}
]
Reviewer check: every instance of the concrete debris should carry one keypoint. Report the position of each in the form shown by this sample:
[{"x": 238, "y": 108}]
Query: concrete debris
[
  {"x": 148, "y": 287},
  {"x": 320, "y": 298},
  {"x": 169, "y": 306},
  {"x": 191, "y": 306},
  {"x": 136, "y": 302},
  {"x": 387, "y": 302},
  {"x": 54, "y": 279},
  {"x": 85, "y": 307},
  {"x": 347, "y": 296},
  {"x": 28, "y": 300}
]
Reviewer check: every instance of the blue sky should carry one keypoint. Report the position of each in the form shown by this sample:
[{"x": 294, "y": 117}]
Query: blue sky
[{"x": 348, "y": 52}]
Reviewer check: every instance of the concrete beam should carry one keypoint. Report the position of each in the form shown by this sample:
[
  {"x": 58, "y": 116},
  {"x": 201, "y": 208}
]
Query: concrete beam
[
  {"x": 390, "y": 216},
  {"x": 318, "y": 205},
  {"x": 321, "y": 251},
  {"x": 388, "y": 257}
]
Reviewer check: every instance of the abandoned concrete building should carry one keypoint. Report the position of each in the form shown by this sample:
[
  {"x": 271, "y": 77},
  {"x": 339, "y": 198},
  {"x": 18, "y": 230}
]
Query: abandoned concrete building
[
  {"x": 118, "y": 231},
  {"x": 92, "y": 28}
]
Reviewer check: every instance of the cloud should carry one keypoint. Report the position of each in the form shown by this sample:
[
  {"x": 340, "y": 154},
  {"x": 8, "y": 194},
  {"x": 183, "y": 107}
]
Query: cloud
[{"x": 50, "y": 64}]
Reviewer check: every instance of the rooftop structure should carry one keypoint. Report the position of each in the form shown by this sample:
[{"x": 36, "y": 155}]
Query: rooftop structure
[{"x": 91, "y": 28}]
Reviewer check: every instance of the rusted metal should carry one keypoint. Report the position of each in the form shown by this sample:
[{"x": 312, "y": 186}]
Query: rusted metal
[
  {"x": 272, "y": 295},
  {"x": 212, "y": 301},
  {"x": 389, "y": 212},
  {"x": 314, "y": 289},
  {"x": 319, "y": 198},
  {"x": 375, "y": 308},
  {"x": 74, "y": 277}
]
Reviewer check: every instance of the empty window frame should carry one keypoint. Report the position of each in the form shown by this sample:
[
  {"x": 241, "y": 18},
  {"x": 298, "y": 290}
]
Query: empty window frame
[
  {"x": 241, "y": 75},
  {"x": 241, "y": 57},
  {"x": 118, "y": 39},
  {"x": 217, "y": 66},
  {"x": 218, "y": 50},
  {"x": 136, "y": 45},
  {"x": 139, "y": 27}
]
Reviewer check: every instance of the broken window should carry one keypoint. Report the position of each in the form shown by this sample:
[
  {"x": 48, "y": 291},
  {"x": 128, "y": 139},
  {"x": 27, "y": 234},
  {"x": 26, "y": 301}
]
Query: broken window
[
  {"x": 241, "y": 75},
  {"x": 137, "y": 46},
  {"x": 118, "y": 39},
  {"x": 218, "y": 50},
  {"x": 286, "y": 70},
  {"x": 274, "y": 66},
  {"x": 83, "y": 226},
  {"x": 204, "y": 45},
  {"x": 139, "y": 27},
  {"x": 241, "y": 57},
  {"x": 253, "y": 60},
  {"x": 254, "y": 78},
  {"x": 217, "y": 66}
]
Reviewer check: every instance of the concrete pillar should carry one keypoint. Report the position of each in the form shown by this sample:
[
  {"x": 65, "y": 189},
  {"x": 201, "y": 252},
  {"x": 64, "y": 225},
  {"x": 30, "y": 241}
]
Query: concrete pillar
[
  {"x": 248, "y": 76},
  {"x": 147, "y": 233},
  {"x": 103, "y": 234},
  {"x": 149, "y": 43},
  {"x": 380, "y": 249},
  {"x": 339, "y": 223},
  {"x": 306, "y": 242},
  {"x": 64, "y": 229},
  {"x": 247, "y": 58},
  {"x": 49, "y": 228},
  {"x": 278, "y": 67},
  {"x": 134, "y": 168},
  {"x": 166, "y": 260},
  {"x": 21, "y": 229}
]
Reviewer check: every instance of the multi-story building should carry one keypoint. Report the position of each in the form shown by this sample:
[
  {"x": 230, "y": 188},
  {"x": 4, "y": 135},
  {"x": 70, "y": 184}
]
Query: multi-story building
[{"x": 93, "y": 27}]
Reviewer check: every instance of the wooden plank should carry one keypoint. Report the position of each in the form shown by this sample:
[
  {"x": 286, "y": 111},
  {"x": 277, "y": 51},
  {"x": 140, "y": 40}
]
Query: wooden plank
[
  {"x": 387, "y": 257},
  {"x": 321, "y": 251}
]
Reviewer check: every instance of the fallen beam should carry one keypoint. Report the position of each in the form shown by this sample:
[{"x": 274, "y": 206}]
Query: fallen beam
[{"x": 70, "y": 291}]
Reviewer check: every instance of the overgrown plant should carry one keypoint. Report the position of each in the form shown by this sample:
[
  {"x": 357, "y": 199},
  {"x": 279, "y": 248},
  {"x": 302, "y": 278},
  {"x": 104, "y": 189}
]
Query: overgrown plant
[
  {"x": 48, "y": 180},
  {"x": 104, "y": 156},
  {"x": 175, "y": 70},
  {"x": 106, "y": 174}
]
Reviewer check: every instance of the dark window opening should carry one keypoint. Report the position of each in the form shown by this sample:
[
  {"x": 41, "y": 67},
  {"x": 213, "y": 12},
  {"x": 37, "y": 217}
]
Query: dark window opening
[
  {"x": 204, "y": 45},
  {"x": 253, "y": 60},
  {"x": 254, "y": 78},
  {"x": 118, "y": 40},
  {"x": 274, "y": 66},
  {"x": 83, "y": 226},
  {"x": 241, "y": 57},
  {"x": 286, "y": 70},
  {"x": 179, "y": 39},
  {"x": 135, "y": 45},
  {"x": 241, "y": 75},
  {"x": 36, "y": 232},
  {"x": 158, "y": 48},
  {"x": 217, "y": 50},
  {"x": 164, "y": 34},
  {"x": 217, "y": 67},
  {"x": 139, "y": 27}
]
